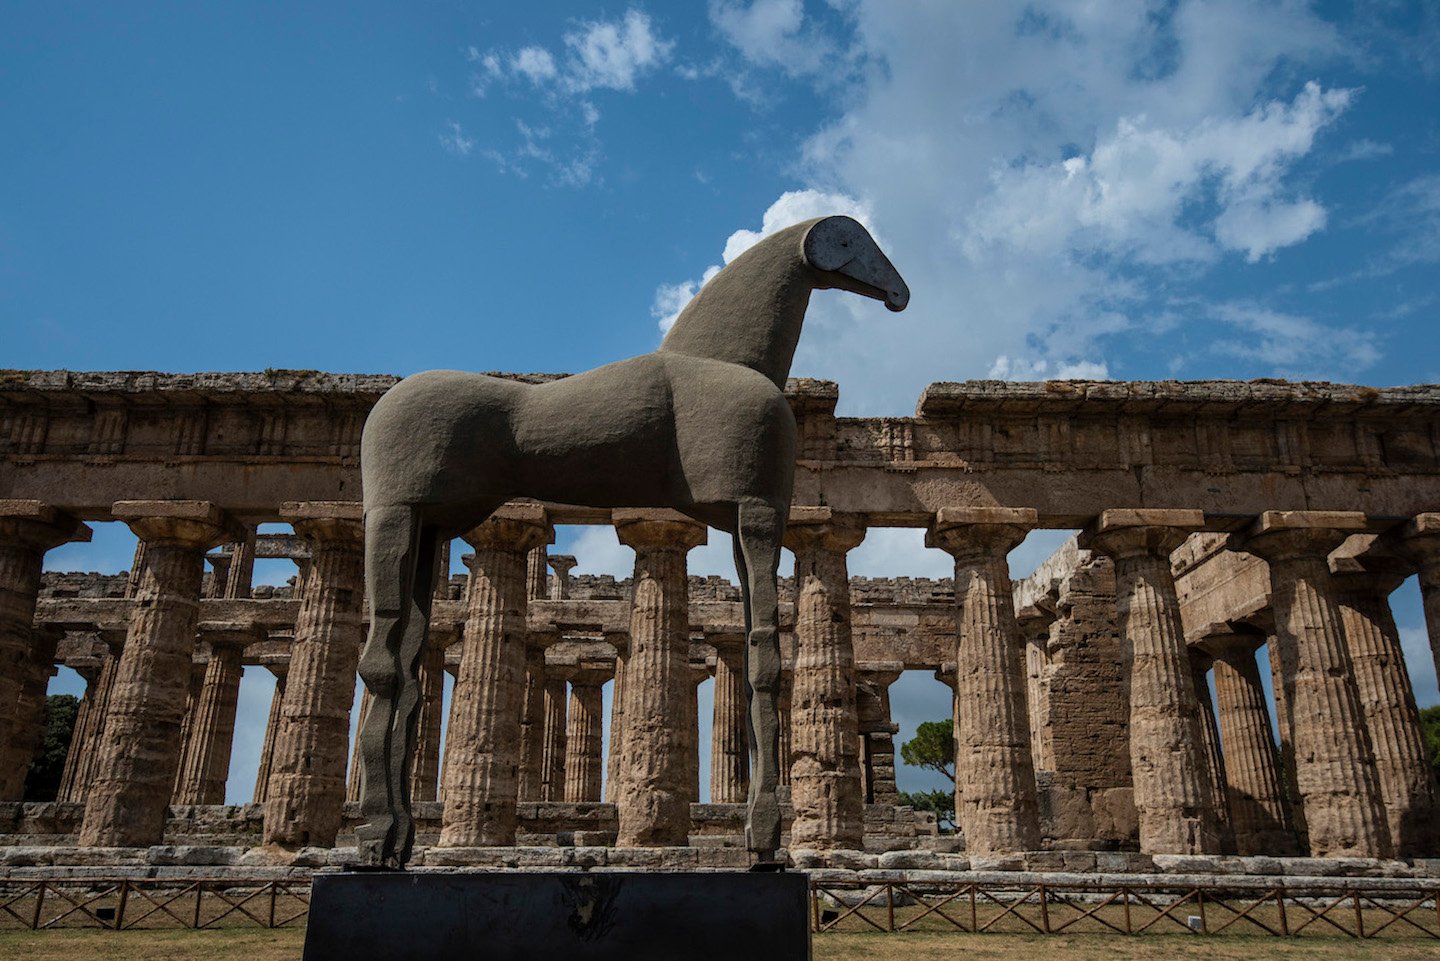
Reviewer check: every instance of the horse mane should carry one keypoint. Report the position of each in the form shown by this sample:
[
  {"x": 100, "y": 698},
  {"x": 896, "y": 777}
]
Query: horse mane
[{"x": 751, "y": 312}]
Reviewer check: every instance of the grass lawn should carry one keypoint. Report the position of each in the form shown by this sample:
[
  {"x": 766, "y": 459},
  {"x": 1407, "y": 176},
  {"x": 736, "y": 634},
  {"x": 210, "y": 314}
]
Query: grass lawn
[{"x": 285, "y": 945}]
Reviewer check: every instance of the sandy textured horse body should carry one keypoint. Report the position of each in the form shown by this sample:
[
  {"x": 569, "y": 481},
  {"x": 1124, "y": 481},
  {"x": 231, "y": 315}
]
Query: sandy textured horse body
[{"x": 701, "y": 426}]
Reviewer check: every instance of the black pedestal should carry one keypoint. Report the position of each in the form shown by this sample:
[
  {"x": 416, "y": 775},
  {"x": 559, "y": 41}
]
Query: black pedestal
[{"x": 569, "y": 917}]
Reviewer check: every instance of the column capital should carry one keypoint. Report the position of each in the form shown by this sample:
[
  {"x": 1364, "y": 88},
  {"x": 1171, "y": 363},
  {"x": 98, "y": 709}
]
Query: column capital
[
  {"x": 1223, "y": 639},
  {"x": 820, "y": 528},
  {"x": 588, "y": 676},
  {"x": 1035, "y": 618},
  {"x": 194, "y": 525},
  {"x": 1283, "y": 535},
  {"x": 1419, "y": 539},
  {"x": 38, "y": 525},
  {"x": 340, "y": 522},
  {"x": 1131, "y": 532},
  {"x": 878, "y": 672},
  {"x": 235, "y": 634},
  {"x": 657, "y": 530},
  {"x": 513, "y": 527},
  {"x": 969, "y": 531},
  {"x": 1364, "y": 564}
]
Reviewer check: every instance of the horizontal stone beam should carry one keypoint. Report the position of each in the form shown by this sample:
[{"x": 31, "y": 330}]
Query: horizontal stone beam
[{"x": 1067, "y": 450}]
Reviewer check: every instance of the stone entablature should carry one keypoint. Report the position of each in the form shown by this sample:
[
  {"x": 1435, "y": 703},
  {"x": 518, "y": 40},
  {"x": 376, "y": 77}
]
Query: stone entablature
[{"x": 1062, "y": 448}]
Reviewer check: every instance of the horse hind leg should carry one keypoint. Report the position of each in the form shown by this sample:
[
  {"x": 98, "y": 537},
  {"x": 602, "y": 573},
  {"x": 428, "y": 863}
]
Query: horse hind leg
[
  {"x": 758, "y": 534},
  {"x": 408, "y": 698},
  {"x": 392, "y": 536}
]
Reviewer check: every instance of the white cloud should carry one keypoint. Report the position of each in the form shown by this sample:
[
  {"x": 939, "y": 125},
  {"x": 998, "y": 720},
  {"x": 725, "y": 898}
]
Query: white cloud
[
  {"x": 1048, "y": 177},
  {"x": 1133, "y": 193},
  {"x": 612, "y": 54},
  {"x": 1292, "y": 345},
  {"x": 772, "y": 33},
  {"x": 455, "y": 141},
  {"x": 535, "y": 64},
  {"x": 600, "y": 55}
]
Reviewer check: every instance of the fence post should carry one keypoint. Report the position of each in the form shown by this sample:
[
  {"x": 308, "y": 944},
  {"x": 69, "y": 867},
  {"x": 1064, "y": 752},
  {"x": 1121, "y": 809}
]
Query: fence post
[
  {"x": 1125, "y": 901},
  {"x": 1284, "y": 918},
  {"x": 1359, "y": 915},
  {"x": 120, "y": 907},
  {"x": 39, "y": 902},
  {"x": 1044, "y": 909},
  {"x": 273, "y": 886}
]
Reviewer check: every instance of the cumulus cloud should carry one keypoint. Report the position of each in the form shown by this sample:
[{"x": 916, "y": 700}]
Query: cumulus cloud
[
  {"x": 612, "y": 54},
  {"x": 772, "y": 33},
  {"x": 1049, "y": 176},
  {"x": 1130, "y": 196}
]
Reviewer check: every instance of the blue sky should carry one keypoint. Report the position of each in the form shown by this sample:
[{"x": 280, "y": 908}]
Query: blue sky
[{"x": 1130, "y": 190}]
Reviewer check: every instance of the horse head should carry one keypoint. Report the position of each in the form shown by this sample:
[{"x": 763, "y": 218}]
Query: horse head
[{"x": 847, "y": 257}]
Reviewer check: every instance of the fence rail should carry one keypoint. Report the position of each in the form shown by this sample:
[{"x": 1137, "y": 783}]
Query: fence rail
[
  {"x": 1130, "y": 909},
  {"x": 151, "y": 903},
  {"x": 124, "y": 904}
]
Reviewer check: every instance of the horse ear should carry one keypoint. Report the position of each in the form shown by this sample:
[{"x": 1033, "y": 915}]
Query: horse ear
[{"x": 833, "y": 242}]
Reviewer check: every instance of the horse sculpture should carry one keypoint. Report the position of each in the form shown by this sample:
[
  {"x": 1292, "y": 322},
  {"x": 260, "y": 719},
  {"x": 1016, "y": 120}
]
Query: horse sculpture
[{"x": 700, "y": 425}]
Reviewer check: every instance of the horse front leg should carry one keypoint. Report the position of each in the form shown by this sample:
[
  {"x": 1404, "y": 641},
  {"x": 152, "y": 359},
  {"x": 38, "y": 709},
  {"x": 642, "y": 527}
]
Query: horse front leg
[
  {"x": 758, "y": 534},
  {"x": 391, "y": 536}
]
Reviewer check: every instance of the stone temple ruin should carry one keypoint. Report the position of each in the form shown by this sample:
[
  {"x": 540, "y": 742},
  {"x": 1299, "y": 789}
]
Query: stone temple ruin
[{"x": 1215, "y": 518}]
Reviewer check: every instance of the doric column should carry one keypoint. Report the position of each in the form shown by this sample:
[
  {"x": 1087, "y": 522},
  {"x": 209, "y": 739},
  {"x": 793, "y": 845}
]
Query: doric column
[
  {"x": 272, "y": 731},
  {"x": 561, "y": 564},
  {"x": 655, "y": 786},
  {"x": 787, "y": 686},
  {"x": 198, "y": 664},
  {"x": 583, "y": 736},
  {"x": 82, "y": 732},
  {"x": 242, "y": 565},
  {"x": 532, "y": 720},
  {"x": 825, "y": 786},
  {"x": 353, "y": 775},
  {"x": 27, "y": 530},
  {"x": 1167, "y": 759},
  {"x": 206, "y": 765},
  {"x": 1284, "y": 723},
  {"x": 1257, "y": 809},
  {"x": 613, "y": 769},
  {"x": 307, "y": 772},
  {"x": 699, "y": 674},
  {"x": 1200, "y": 664},
  {"x": 140, "y": 750},
  {"x": 877, "y": 733},
  {"x": 219, "y": 573},
  {"x": 1034, "y": 622},
  {"x": 995, "y": 799},
  {"x": 1334, "y": 761},
  {"x": 1419, "y": 540},
  {"x": 482, "y": 746},
  {"x": 1402, "y": 762},
  {"x": 552, "y": 764},
  {"x": 425, "y": 773},
  {"x": 29, "y": 730},
  {"x": 729, "y": 753}
]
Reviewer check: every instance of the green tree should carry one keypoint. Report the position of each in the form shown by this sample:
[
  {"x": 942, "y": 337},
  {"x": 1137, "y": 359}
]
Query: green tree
[
  {"x": 42, "y": 783},
  {"x": 942, "y": 803},
  {"x": 1430, "y": 724},
  {"x": 932, "y": 747}
]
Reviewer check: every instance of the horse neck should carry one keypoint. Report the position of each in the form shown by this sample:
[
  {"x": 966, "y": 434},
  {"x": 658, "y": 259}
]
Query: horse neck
[{"x": 751, "y": 312}]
